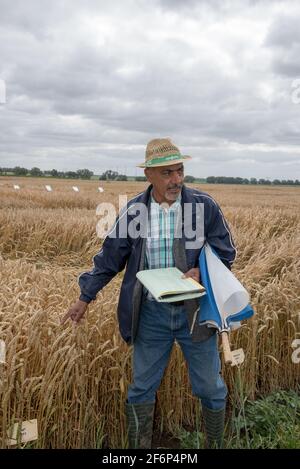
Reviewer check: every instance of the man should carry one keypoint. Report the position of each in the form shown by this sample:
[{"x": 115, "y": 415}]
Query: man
[{"x": 167, "y": 236}]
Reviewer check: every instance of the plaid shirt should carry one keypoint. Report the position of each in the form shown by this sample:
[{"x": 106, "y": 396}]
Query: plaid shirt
[{"x": 161, "y": 228}]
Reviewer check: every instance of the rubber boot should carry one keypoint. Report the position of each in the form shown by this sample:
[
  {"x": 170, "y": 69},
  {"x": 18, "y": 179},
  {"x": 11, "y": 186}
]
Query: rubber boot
[
  {"x": 214, "y": 421},
  {"x": 140, "y": 424}
]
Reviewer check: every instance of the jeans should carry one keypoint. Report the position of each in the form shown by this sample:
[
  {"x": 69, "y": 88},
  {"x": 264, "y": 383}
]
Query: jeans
[{"x": 160, "y": 325}]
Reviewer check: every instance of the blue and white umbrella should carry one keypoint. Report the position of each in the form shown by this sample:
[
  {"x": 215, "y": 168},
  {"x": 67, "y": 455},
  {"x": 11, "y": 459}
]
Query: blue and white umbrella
[{"x": 226, "y": 301}]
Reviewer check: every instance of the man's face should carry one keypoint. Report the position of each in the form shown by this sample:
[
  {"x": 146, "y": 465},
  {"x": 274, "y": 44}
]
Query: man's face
[{"x": 167, "y": 181}]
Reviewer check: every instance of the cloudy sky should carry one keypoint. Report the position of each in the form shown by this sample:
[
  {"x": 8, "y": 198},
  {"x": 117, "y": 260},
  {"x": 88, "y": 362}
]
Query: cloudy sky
[{"x": 89, "y": 82}]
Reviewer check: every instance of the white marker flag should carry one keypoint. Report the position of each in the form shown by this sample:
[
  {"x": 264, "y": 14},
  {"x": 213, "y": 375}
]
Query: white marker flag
[
  {"x": 238, "y": 357},
  {"x": 2, "y": 352},
  {"x": 27, "y": 432}
]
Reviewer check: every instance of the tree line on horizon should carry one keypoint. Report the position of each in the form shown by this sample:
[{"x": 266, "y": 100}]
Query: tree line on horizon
[{"x": 110, "y": 175}]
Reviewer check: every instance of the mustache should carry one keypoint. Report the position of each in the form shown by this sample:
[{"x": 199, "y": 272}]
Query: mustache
[{"x": 175, "y": 186}]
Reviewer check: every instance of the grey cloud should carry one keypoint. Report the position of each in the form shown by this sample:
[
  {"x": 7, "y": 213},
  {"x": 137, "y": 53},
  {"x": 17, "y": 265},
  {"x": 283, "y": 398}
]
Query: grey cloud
[
  {"x": 73, "y": 99},
  {"x": 217, "y": 8},
  {"x": 33, "y": 17},
  {"x": 284, "y": 32},
  {"x": 178, "y": 4},
  {"x": 287, "y": 62},
  {"x": 283, "y": 39}
]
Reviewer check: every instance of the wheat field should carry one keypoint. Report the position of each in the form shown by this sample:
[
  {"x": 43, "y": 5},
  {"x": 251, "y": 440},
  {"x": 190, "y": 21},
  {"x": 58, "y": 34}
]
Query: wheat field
[{"x": 73, "y": 380}]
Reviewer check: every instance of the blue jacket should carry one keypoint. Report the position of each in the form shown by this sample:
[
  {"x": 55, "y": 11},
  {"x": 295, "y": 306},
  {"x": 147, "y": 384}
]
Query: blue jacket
[{"x": 119, "y": 251}]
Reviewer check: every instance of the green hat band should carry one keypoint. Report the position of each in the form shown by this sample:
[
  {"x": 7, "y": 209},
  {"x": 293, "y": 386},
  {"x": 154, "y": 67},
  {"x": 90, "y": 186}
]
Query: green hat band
[{"x": 177, "y": 156}]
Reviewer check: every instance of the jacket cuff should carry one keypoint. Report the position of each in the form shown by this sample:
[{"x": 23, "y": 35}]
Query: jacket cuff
[{"x": 85, "y": 298}]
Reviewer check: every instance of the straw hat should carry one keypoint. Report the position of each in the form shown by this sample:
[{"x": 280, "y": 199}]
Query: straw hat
[{"x": 162, "y": 152}]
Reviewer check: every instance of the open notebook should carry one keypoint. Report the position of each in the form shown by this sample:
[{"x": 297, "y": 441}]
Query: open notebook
[{"x": 167, "y": 285}]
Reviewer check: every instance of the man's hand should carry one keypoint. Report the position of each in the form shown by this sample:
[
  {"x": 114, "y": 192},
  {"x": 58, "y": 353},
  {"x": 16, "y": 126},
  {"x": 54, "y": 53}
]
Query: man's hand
[
  {"x": 76, "y": 312},
  {"x": 193, "y": 273}
]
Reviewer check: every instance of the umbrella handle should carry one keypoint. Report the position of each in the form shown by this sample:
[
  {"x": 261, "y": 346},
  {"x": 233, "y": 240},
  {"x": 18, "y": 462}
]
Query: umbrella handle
[{"x": 226, "y": 347}]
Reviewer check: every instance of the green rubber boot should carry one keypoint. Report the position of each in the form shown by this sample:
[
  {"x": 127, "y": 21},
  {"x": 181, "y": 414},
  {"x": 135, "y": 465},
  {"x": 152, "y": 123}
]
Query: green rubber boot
[
  {"x": 214, "y": 421},
  {"x": 140, "y": 424}
]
